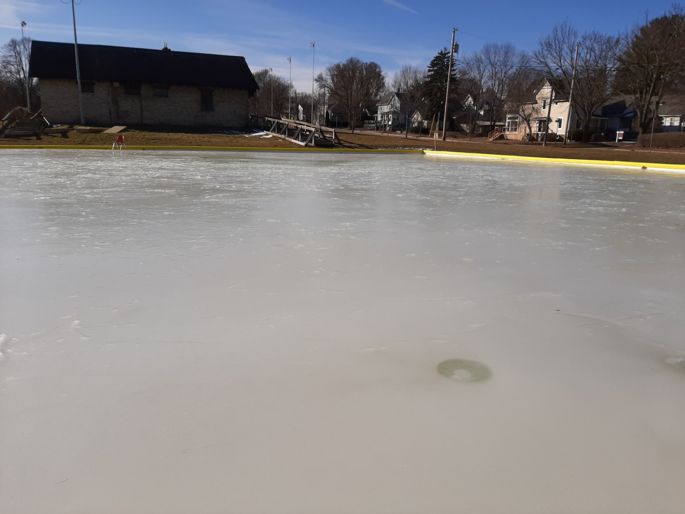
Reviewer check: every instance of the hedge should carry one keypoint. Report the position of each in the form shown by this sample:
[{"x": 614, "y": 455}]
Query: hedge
[{"x": 663, "y": 140}]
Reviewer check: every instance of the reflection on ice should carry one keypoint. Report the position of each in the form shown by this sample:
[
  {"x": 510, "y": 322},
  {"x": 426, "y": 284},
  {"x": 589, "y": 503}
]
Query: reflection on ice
[
  {"x": 677, "y": 363},
  {"x": 244, "y": 332}
]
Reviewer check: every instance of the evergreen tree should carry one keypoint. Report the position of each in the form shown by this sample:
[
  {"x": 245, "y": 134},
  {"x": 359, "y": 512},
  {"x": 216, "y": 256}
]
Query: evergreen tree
[{"x": 435, "y": 85}]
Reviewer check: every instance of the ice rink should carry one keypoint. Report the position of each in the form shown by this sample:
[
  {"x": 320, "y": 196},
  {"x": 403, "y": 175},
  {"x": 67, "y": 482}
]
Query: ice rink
[{"x": 308, "y": 334}]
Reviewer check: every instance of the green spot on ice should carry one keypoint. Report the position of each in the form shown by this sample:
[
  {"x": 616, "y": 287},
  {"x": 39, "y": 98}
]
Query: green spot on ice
[{"x": 462, "y": 370}]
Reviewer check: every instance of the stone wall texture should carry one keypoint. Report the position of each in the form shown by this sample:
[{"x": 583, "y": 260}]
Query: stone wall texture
[{"x": 110, "y": 105}]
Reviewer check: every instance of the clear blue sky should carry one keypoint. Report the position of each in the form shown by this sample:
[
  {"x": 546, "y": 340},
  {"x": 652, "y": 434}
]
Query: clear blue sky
[{"x": 390, "y": 32}]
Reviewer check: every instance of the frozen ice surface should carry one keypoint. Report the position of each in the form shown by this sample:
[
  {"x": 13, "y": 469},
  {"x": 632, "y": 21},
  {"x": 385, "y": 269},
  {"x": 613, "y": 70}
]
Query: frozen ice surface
[{"x": 272, "y": 333}]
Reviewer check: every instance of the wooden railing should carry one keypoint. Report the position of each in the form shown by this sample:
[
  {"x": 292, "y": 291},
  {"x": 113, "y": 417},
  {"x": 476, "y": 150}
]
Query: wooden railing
[
  {"x": 494, "y": 134},
  {"x": 301, "y": 133}
]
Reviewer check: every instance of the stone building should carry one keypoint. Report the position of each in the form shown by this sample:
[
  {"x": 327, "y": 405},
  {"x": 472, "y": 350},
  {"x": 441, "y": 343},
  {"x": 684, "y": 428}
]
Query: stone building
[{"x": 136, "y": 86}]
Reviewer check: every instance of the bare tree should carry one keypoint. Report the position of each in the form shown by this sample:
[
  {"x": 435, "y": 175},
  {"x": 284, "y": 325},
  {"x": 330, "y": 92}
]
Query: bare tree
[
  {"x": 10, "y": 96},
  {"x": 488, "y": 75},
  {"x": 501, "y": 61},
  {"x": 652, "y": 63},
  {"x": 409, "y": 82},
  {"x": 473, "y": 71},
  {"x": 409, "y": 78},
  {"x": 597, "y": 55},
  {"x": 14, "y": 65},
  {"x": 472, "y": 83},
  {"x": 353, "y": 87},
  {"x": 272, "y": 97},
  {"x": 521, "y": 97}
]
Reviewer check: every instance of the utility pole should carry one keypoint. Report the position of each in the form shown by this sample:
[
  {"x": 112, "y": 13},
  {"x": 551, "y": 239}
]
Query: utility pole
[
  {"x": 325, "y": 107},
  {"x": 25, "y": 64},
  {"x": 447, "y": 91},
  {"x": 78, "y": 68},
  {"x": 654, "y": 116},
  {"x": 271, "y": 82},
  {"x": 657, "y": 101},
  {"x": 313, "y": 59},
  {"x": 290, "y": 85},
  {"x": 549, "y": 111},
  {"x": 570, "y": 94}
]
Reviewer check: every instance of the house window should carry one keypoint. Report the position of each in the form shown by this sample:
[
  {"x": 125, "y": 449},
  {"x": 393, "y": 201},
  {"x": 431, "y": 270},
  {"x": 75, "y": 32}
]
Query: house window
[
  {"x": 206, "y": 99},
  {"x": 160, "y": 91},
  {"x": 544, "y": 104},
  {"x": 542, "y": 125},
  {"x": 560, "y": 122},
  {"x": 512, "y": 124},
  {"x": 132, "y": 88},
  {"x": 87, "y": 86}
]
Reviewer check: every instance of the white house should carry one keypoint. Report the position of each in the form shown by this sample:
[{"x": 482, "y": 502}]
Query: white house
[
  {"x": 530, "y": 120},
  {"x": 672, "y": 114},
  {"x": 393, "y": 111}
]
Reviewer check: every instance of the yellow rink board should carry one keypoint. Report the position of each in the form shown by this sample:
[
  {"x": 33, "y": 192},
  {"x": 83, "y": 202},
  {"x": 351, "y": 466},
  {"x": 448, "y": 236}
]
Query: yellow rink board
[{"x": 677, "y": 169}]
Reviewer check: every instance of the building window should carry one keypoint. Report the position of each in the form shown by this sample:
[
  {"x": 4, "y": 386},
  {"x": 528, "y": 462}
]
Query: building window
[
  {"x": 206, "y": 99},
  {"x": 560, "y": 122},
  {"x": 87, "y": 86},
  {"x": 544, "y": 104},
  {"x": 160, "y": 91},
  {"x": 132, "y": 88},
  {"x": 542, "y": 125},
  {"x": 512, "y": 124}
]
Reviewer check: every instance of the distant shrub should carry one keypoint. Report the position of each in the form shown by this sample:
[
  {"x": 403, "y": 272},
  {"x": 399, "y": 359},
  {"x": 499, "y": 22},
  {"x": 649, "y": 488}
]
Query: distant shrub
[
  {"x": 576, "y": 135},
  {"x": 664, "y": 140}
]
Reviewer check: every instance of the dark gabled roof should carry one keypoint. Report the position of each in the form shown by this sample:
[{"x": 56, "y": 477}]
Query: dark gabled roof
[
  {"x": 673, "y": 105},
  {"x": 385, "y": 100},
  {"x": 123, "y": 64},
  {"x": 616, "y": 107}
]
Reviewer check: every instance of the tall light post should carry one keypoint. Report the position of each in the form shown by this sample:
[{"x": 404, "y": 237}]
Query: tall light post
[
  {"x": 290, "y": 85},
  {"x": 78, "y": 67},
  {"x": 26, "y": 68},
  {"x": 313, "y": 43},
  {"x": 447, "y": 91},
  {"x": 271, "y": 81}
]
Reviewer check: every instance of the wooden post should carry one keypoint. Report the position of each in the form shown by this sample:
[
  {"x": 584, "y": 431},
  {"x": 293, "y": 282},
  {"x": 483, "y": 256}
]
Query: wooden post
[{"x": 570, "y": 95}]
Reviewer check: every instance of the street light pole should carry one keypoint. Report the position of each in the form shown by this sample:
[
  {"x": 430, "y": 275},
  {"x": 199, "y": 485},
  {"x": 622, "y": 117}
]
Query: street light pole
[
  {"x": 313, "y": 60},
  {"x": 78, "y": 67},
  {"x": 26, "y": 69},
  {"x": 271, "y": 81},
  {"x": 290, "y": 85},
  {"x": 447, "y": 91}
]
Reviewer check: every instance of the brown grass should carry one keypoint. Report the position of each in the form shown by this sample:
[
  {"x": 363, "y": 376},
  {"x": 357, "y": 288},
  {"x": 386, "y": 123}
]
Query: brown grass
[
  {"x": 369, "y": 140},
  {"x": 663, "y": 140}
]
